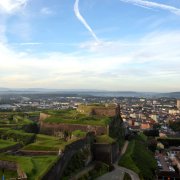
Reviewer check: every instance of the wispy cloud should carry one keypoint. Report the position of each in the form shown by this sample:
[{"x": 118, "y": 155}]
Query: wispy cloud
[
  {"x": 10, "y": 6},
  {"x": 150, "y": 4},
  {"x": 147, "y": 63},
  {"x": 46, "y": 11},
  {"x": 83, "y": 21}
]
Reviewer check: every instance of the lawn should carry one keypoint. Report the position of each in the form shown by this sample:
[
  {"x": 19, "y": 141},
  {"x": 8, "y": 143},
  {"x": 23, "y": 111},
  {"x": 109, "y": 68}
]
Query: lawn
[
  {"x": 46, "y": 143},
  {"x": 74, "y": 117},
  {"x": 6, "y": 143},
  {"x": 32, "y": 166},
  {"x": 17, "y": 135}
]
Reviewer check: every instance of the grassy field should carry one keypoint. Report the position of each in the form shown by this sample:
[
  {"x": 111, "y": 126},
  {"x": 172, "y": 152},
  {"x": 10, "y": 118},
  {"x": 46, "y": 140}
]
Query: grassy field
[
  {"x": 47, "y": 143},
  {"x": 6, "y": 143},
  {"x": 17, "y": 135},
  {"x": 32, "y": 166},
  {"x": 74, "y": 117}
]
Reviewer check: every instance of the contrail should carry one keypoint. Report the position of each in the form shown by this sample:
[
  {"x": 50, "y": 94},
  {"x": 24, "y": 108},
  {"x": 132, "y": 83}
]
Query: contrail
[
  {"x": 151, "y": 4},
  {"x": 80, "y": 17}
]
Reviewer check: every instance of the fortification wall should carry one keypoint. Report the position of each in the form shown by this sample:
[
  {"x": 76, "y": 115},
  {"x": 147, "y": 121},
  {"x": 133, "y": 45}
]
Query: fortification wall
[
  {"x": 107, "y": 153},
  {"x": 52, "y": 128},
  {"x": 8, "y": 165},
  {"x": 110, "y": 112},
  {"x": 56, "y": 171},
  {"x": 37, "y": 153}
]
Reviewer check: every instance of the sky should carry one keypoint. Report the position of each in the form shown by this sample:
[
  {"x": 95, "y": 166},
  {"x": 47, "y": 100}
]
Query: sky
[{"x": 117, "y": 45}]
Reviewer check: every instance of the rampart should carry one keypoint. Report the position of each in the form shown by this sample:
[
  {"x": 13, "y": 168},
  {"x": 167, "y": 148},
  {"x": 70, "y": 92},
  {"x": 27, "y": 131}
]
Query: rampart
[
  {"x": 56, "y": 171},
  {"x": 53, "y": 128},
  {"x": 106, "y": 153}
]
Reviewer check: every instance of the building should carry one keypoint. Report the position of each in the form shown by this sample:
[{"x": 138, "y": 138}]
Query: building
[{"x": 178, "y": 103}]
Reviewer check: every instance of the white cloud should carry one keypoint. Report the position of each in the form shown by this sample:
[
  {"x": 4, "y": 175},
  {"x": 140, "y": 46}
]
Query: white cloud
[
  {"x": 83, "y": 21},
  {"x": 10, "y": 6},
  {"x": 150, "y": 4},
  {"x": 149, "y": 63},
  {"x": 46, "y": 11}
]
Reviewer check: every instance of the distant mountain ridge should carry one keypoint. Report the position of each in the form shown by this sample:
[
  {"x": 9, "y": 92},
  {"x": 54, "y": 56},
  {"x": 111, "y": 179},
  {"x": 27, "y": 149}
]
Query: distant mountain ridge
[{"x": 92, "y": 92}]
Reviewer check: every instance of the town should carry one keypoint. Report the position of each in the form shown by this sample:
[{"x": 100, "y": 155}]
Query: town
[{"x": 97, "y": 136}]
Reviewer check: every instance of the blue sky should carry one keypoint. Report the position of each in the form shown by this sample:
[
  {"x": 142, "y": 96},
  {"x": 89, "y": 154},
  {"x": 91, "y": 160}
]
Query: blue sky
[{"x": 90, "y": 44}]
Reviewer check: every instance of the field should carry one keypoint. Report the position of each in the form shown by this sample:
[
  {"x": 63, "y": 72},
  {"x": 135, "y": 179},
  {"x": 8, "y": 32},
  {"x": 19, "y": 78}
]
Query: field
[
  {"x": 47, "y": 143},
  {"x": 16, "y": 135},
  {"x": 6, "y": 144},
  {"x": 74, "y": 117},
  {"x": 32, "y": 166}
]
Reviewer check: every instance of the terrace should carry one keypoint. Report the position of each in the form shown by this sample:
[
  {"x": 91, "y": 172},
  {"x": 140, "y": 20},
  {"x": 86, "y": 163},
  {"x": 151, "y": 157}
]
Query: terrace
[{"x": 75, "y": 117}]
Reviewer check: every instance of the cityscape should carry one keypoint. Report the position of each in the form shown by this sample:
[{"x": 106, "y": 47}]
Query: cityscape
[
  {"x": 90, "y": 90},
  {"x": 77, "y": 135}
]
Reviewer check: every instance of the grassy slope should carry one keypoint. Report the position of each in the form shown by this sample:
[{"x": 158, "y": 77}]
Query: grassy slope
[
  {"x": 74, "y": 117},
  {"x": 32, "y": 166},
  {"x": 47, "y": 143},
  {"x": 6, "y": 143},
  {"x": 139, "y": 159}
]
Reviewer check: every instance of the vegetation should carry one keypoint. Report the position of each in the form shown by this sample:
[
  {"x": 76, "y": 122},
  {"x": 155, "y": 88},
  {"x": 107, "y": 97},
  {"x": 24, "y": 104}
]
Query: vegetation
[
  {"x": 175, "y": 125},
  {"x": 99, "y": 170},
  {"x": 9, "y": 174},
  {"x": 104, "y": 139},
  {"x": 32, "y": 166},
  {"x": 79, "y": 133},
  {"x": 127, "y": 159},
  {"x": 16, "y": 135},
  {"x": 77, "y": 162},
  {"x": 6, "y": 144},
  {"x": 74, "y": 117},
  {"x": 139, "y": 159},
  {"x": 47, "y": 143}
]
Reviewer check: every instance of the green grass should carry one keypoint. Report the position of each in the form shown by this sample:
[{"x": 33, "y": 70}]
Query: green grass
[
  {"x": 127, "y": 160},
  {"x": 79, "y": 133},
  {"x": 16, "y": 135},
  {"x": 104, "y": 139},
  {"x": 74, "y": 117},
  {"x": 6, "y": 143},
  {"x": 47, "y": 143},
  {"x": 139, "y": 159},
  {"x": 32, "y": 166}
]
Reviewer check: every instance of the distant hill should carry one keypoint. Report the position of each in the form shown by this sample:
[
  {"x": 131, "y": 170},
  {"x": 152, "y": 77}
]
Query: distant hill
[{"x": 84, "y": 92}]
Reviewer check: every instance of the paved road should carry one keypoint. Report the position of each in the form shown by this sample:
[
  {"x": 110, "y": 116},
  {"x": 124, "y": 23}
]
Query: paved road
[
  {"x": 133, "y": 175},
  {"x": 118, "y": 172}
]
